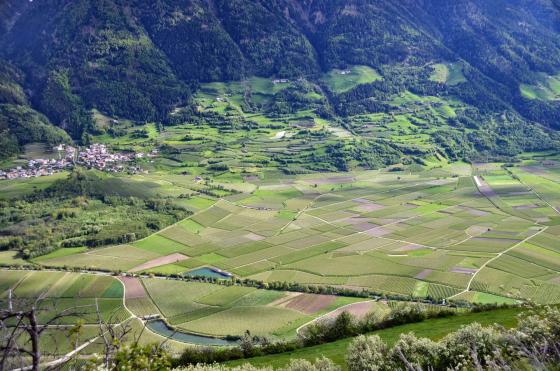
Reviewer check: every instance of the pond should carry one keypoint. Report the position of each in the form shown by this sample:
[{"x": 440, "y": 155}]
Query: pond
[
  {"x": 209, "y": 272},
  {"x": 161, "y": 328}
]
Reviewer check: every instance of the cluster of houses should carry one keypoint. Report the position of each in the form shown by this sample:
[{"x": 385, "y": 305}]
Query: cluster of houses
[{"x": 96, "y": 156}]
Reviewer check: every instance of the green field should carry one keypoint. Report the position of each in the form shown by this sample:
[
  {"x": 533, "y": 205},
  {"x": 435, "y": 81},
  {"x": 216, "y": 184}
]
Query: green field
[
  {"x": 481, "y": 234},
  {"x": 545, "y": 87},
  {"x": 75, "y": 294},
  {"x": 448, "y": 73},
  {"x": 216, "y": 310},
  {"x": 340, "y": 81}
]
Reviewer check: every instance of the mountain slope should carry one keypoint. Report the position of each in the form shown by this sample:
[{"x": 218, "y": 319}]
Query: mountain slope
[
  {"x": 141, "y": 60},
  {"x": 19, "y": 123}
]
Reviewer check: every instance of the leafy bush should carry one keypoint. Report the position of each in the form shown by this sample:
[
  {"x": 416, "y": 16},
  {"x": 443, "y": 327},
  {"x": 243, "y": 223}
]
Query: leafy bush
[{"x": 535, "y": 343}]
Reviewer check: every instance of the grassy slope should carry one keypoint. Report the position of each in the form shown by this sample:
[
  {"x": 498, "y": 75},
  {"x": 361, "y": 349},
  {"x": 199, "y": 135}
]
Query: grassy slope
[
  {"x": 545, "y": 88},
  {"x": 448, "y": 73},
  {"x": 358, "y": 75},
  {"x": 433, "y": 329}
]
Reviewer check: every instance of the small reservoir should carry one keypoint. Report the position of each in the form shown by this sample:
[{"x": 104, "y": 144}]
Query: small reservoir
[
  {"x": 161, "y": 328},
  {"x": 209, "y": 272}
]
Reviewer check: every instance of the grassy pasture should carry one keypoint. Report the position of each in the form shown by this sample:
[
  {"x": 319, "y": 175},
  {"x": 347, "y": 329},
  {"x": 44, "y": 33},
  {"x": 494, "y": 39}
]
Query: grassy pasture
[
  {"x": 122, "y": 257},
  {"x": 340, "y": 81},
  {"x": 545, "y": 87},
  {"x": 11, "y": 258},
  {"x": 160, "y": 245},
  {"x": 60, "y": 253},
  {"x": 11, "y": 189},
  {"x": 448, "y": 73}
]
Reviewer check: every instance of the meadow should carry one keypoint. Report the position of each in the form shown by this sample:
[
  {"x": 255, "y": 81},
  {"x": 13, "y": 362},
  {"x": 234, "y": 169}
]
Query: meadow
[
  {"x": 448, "y": 73},
  {"x": 545, "y": 87}
]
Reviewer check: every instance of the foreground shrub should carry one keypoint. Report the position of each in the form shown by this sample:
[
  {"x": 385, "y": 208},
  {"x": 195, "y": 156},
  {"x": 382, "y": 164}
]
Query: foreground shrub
[
  {"x": 367, "y": 353},
  {"x": 415, "y": 353},
  {"x": 320, "y": 364},
  {"x": 534, "y": 344},
  {"x": 471, "y": 346}
]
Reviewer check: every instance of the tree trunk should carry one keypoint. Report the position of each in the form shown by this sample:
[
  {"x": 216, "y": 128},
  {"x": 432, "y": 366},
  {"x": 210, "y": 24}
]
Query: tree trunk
[{"x": 34, "y": 335}]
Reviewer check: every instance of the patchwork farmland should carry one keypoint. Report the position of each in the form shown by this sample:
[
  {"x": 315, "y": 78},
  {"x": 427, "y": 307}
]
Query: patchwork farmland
[
  {"x": 481, "y": 234},
  {"x": 192, "y": 307},
  {"x": 475, "y": 233}
]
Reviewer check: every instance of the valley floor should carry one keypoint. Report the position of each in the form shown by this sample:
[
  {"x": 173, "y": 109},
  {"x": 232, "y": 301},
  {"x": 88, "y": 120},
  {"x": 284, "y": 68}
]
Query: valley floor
[{"x": 481, "y": 234}]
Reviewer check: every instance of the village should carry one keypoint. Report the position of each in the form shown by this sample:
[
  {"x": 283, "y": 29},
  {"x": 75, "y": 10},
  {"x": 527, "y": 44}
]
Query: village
[{"x": 96, "y": 156}]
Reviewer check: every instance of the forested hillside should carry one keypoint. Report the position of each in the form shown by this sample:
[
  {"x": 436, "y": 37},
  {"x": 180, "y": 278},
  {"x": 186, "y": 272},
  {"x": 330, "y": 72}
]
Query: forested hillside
[{"x": 141, "y": 60}]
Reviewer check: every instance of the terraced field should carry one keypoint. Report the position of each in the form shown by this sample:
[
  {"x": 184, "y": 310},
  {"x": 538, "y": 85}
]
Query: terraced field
[{"x": 475, "y": 233}]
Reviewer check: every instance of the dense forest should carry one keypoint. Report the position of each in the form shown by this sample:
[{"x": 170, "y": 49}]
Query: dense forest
[{"x": 141, "y": 59}]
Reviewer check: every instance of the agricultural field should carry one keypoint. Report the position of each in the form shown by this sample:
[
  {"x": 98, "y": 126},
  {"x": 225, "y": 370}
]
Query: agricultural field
[
  {"x": 216, "y": 310},
  {"x": 66, "y": 291},
  {"x": 254, "y": 191},
  {"x": 78, "y": 296},
  {"x": 479, "y": 234}
]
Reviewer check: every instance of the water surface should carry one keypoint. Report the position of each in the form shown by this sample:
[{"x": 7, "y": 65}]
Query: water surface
[
  {"x": 161, "y": 328},
  {"x": 208, "y": 272}
]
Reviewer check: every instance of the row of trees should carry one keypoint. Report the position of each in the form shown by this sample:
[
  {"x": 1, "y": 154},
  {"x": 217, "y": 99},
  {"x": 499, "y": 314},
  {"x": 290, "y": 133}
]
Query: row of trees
[{"x": 533, "y": 344}]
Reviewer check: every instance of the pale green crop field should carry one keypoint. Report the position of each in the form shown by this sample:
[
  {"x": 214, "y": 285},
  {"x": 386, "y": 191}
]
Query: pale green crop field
[{"x": 65, "y": 292}]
